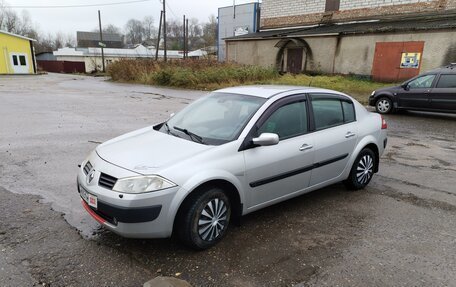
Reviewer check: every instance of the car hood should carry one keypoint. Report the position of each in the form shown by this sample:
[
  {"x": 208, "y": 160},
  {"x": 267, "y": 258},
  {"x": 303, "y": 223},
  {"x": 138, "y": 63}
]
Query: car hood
[{"x": 146, "y": 151}]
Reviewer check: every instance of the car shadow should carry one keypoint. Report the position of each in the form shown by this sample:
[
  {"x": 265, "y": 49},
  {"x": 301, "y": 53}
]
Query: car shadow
[{"x": 304, "y": 229}]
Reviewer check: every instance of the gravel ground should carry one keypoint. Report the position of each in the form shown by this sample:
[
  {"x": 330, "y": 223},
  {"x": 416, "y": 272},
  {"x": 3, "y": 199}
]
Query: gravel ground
[{"x": 400, "y": 231}]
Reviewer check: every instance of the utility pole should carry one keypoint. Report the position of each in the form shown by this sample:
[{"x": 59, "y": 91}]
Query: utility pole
[
  {"x": 158, "y": 39},
  {"x": 185, "y": 41},
  {"x": 101, "y": 42},
  {"x": 164, "y": 29}
]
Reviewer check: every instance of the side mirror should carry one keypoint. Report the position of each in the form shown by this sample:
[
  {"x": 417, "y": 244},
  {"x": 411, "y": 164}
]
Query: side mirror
[
  {"x": 266, "y": 139},
  {"x": 405, "y": 86}
]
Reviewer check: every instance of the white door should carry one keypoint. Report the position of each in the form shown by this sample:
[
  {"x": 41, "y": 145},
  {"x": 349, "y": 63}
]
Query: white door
[{"x": 20, "y": 63}]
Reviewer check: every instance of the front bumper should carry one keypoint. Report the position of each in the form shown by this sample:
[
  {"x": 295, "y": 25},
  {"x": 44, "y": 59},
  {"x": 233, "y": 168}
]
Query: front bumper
[
  {"x": 372, "y": 101},
  {"x": 143, "y": 215}
]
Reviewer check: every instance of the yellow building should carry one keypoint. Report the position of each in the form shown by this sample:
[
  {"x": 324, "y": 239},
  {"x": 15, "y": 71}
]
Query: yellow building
[{"x": 16, "y": 54}]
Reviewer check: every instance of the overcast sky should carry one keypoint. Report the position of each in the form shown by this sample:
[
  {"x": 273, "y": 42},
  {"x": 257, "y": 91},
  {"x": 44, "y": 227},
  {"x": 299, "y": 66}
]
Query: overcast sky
[{"x": 70, "y": 20}]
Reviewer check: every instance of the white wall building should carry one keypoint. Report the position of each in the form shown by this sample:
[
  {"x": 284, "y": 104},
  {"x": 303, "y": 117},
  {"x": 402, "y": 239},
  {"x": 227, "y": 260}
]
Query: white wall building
[{"x": 93, "y": 59}]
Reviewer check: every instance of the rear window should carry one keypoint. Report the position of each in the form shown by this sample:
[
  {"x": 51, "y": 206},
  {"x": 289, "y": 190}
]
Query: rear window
[
  {"x": 349, "y": 112},
  {"x": 327, "y": 113},
  {"x": 447, "y": 81},
  {"x": 332, "y": 110}
]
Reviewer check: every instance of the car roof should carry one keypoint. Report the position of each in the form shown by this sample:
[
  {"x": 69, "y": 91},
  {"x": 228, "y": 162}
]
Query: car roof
[
  {"x": 269, "y": 91},
  {"x": 449, "y": 69}
]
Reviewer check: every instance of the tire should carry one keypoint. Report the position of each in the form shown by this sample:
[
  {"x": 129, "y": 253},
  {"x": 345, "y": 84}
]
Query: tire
[
  {"x": 384, "y": 105},
  {"x": 205, "y": 219},
  {"x": 362, "y": 170}
]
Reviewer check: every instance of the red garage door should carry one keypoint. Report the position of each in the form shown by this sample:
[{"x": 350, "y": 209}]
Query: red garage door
[{"x": 388, "y": 59}]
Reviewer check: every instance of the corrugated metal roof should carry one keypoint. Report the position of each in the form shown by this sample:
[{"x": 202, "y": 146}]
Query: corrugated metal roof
[
  {"x": 15, "y": 35},
  {"x": 95, "y": 36},
  {"x": 404, "y": 24}
]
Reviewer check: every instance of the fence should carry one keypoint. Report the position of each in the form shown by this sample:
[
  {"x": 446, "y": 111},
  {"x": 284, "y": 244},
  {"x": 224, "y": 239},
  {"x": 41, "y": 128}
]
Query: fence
[{"x": 61, "y": 66}]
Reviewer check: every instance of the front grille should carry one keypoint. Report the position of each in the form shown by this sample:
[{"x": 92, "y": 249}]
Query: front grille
[
  {"x": 107, "y": 181},
  {"x": 87, "y": 168}
]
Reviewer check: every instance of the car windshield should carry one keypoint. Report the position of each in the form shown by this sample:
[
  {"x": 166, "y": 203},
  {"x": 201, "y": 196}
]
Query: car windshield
[{"x": 215, "y": 119}]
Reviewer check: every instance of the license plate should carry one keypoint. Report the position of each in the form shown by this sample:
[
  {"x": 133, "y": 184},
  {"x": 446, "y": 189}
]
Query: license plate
[{"x": 91, "y": 199}]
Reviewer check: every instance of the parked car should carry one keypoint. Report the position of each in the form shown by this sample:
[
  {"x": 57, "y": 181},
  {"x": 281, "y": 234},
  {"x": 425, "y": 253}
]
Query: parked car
[
  {"x": 230, "y": 153},
  {"x": 432, "y": 91}
]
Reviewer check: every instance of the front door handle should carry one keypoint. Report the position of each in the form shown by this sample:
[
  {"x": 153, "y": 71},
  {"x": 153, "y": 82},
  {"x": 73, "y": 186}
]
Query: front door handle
[
  {"x": 350, "y": 135},
  {"x": 305, "y": 147}
]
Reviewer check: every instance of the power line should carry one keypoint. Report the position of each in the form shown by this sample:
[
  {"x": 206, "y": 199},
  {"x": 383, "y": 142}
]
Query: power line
[
  {"x": 78, "y": 6},
  {"x": 167, "y": 5},
  {"x": 169, "y": 8}
]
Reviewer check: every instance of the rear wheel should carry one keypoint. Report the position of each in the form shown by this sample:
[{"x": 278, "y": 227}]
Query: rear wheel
[
  {"x": 362, "y": 170},
  {"x": 384, "y": 105},
  {"x": 205, "y": 219}
]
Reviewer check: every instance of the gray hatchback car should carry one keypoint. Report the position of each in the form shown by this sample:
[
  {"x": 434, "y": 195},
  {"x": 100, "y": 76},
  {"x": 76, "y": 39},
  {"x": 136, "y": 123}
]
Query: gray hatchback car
[{"x": 230, "y": 153}]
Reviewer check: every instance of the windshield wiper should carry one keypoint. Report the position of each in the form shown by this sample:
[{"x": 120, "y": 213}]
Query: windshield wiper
[
  {"x": 193, "y": 136},
  {"x": 168, "y": 130}
]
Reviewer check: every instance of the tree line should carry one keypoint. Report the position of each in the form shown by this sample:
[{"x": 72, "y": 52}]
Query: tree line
[{"x": 135, "y": 31}]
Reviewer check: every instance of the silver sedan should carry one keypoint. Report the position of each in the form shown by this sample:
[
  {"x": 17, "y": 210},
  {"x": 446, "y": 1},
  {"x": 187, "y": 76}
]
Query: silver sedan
[{"x": 230, "y": 153}]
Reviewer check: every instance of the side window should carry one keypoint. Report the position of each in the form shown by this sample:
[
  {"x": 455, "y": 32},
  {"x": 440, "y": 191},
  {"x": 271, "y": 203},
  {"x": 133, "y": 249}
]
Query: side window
[
  {"x": 349, "y": 112},
  {"x": 327, "y": 113},
  {"x": 447, "y": 81},
  {"x": 22, "y": 60},
  {"x": 422, "y": 82},
  {"x": 15, "y": 62},
  {"x": 287, "y": 121}
]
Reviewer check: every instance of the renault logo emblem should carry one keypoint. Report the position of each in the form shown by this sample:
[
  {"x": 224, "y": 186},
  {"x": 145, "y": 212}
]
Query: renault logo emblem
[{"x": 90, "y": 176}]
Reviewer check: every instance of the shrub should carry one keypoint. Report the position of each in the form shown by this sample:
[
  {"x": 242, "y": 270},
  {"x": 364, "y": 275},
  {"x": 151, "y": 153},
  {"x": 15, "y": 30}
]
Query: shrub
[{"x": 195, "y": 74}]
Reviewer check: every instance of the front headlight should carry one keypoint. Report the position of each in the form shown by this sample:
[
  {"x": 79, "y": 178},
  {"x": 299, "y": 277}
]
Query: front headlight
[
  {"x": 373, "y": 93},
  {"x": 142, "y": 184}
]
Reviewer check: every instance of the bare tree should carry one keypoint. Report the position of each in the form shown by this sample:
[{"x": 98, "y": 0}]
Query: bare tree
[
  {"x": 210, "y": 31},
  {"x": 134, "y": 31},
  {"x": 149, "y": 29},
  {"x": 11, "y": 21}
]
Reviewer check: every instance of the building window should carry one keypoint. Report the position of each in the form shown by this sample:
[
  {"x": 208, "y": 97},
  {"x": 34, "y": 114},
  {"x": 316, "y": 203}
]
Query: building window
[
  {"x": 332, "y": 5},
  {"x": 15, "y": 62},
  {"x": 22, "y": 60}
]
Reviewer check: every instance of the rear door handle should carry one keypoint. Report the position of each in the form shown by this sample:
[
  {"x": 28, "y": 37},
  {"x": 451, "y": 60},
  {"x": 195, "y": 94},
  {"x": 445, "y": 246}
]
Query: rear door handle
[
  {"x": 350, "y": 135},
  {"x": 306, "y": 147}
]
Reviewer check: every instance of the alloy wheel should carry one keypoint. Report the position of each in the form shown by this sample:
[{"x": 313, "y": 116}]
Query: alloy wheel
[
  {"x": 365, "y": 169},
  {"x": 213, "y": 219}
]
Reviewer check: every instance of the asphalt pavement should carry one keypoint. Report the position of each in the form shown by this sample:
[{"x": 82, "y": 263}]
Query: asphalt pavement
[{"x": 400, "y": 231}]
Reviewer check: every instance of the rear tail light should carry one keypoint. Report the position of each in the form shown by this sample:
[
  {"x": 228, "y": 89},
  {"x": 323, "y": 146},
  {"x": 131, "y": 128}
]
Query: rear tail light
[{"x": 384, "y": 124}]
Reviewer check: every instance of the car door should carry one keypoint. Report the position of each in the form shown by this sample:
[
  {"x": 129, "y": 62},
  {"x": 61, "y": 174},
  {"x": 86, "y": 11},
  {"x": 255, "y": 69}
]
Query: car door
[
  {"x": 275, "y": 172},
  {"x": 443, "y": 96},
  {"x": 416, "y": 93},
  {"x": 335, "y": 135}
]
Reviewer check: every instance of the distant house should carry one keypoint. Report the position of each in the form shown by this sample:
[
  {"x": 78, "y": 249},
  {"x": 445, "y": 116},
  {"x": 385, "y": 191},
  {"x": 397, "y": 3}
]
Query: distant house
[
  {"x": 92, "y": 39},
  {"x": 16, "y": 54},
  {"x": 385, "y": 40},
  {"x": 45, "y": 56}
]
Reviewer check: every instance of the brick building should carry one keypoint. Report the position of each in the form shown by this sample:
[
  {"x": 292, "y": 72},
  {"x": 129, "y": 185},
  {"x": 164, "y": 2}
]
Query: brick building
[{"x": 388, "y": 40}]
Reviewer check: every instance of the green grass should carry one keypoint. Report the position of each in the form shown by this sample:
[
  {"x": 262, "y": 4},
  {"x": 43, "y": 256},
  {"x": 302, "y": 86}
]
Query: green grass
[{"x": 212, "y": 75}]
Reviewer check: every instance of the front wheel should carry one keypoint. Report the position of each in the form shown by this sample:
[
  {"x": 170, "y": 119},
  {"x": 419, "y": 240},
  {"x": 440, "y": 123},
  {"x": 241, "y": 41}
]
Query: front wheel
[
  {"x": 362, "y": 170},
  {"x": 205, "y": 219},
  {"x": 384, "y": 105}
]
